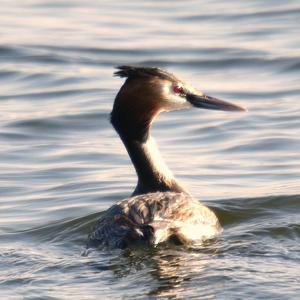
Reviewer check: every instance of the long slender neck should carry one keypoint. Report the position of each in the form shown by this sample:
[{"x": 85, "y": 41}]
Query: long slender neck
[{"x": 153, "y": 174}]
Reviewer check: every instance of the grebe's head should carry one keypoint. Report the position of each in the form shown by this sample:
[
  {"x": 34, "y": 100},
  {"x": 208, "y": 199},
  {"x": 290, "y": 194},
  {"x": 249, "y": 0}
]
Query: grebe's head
[{"x": 148, "y": 91}]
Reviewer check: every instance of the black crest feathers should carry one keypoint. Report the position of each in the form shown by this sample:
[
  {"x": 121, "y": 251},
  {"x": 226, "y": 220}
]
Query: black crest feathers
[{"x": 135, "y": 72}]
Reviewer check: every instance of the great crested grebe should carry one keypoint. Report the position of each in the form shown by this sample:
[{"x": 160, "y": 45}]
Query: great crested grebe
[{"x": 160, "y": 209}]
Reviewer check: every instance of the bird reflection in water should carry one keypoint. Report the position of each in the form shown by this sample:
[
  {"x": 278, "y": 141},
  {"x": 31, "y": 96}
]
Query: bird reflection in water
[{"x": 170, "y": 267}]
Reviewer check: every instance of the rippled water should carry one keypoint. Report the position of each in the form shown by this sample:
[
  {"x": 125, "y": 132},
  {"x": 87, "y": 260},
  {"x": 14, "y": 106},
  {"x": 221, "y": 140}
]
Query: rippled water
[{"x": 62, "y": 164}]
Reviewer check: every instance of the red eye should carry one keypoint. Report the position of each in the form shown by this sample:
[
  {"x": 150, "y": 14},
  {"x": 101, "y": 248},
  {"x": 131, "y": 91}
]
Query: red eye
[{"x": 177, "y": 89}]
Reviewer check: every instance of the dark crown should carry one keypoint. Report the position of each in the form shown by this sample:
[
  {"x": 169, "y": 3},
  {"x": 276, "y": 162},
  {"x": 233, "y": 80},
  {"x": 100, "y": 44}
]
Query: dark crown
[{"x": 135, "y": 72}]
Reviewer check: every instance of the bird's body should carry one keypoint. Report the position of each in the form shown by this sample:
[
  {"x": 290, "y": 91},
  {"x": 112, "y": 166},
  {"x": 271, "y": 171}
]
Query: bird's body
[
  {"x": 160, "y": 209},
  {"x": 155, "y": 218}
]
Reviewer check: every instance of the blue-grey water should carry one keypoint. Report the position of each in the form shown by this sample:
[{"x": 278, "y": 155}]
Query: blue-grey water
[{"x": 61, "y": 163}]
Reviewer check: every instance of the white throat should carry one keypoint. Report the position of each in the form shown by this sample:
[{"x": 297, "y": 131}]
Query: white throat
[{"x": 158, "y": 164}]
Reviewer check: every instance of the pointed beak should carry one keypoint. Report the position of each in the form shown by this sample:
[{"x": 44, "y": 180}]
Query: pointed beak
[{"x": 207, "y": 102}]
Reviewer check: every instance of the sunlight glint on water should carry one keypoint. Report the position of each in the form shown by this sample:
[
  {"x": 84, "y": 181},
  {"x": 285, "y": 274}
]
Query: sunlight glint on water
[{"x": 62, "y": 164}]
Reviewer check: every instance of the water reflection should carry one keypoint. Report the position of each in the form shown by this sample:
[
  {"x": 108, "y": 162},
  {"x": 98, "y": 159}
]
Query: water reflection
[
  {"x": 165, "y": 271},
  {"x": 170, "y": 273}
]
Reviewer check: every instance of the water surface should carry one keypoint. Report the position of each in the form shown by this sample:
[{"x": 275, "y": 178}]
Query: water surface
[{"x": 62, "y": 164}]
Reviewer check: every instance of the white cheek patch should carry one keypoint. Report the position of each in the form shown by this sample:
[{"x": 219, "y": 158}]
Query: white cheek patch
[
  {"x": 173, "y": 100},
  {"x": 170, "y": 95}
]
